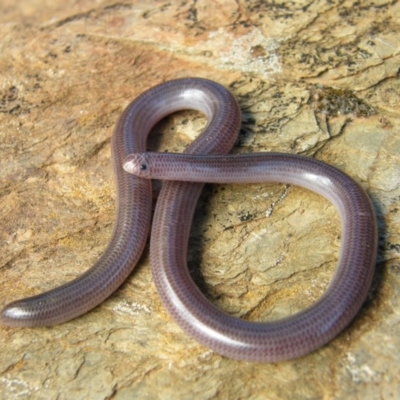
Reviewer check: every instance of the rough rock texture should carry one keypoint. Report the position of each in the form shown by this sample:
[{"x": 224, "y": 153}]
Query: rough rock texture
[{"x": 319, "y": 78}]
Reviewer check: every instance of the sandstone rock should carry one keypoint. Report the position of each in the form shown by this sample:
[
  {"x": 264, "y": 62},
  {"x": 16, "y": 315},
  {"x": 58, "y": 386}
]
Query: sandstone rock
[{"x": 317, "y": 78}]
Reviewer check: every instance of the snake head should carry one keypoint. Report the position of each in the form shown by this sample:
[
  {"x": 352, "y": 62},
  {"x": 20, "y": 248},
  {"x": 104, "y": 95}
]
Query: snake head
[{"x": 137, "y": 164}]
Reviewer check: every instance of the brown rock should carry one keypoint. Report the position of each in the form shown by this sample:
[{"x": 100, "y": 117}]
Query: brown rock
[{"x": 318, "y": 78}]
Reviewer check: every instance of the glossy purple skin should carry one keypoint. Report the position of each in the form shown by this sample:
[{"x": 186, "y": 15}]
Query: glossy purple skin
[
  {"x": 267, "y": 342},
  {"x": 134, "y": 200},
  {"x": 287, "y": 338}
]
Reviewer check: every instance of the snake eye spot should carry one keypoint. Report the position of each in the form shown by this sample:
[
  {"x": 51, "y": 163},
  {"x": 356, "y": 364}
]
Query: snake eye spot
[{"x": 143, "y": 167}]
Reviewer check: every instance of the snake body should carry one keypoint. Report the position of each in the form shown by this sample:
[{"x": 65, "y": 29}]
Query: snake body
[{"x": 204, "y": 161}]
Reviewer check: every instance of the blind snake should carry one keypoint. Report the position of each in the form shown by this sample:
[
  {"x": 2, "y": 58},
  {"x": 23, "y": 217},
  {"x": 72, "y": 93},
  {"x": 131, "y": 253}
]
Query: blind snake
[{"x": 205, "y": 161}]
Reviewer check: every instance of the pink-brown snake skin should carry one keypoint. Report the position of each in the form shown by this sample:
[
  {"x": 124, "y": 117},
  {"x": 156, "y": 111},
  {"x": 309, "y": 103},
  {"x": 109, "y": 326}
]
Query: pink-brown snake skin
[{"x": 284, "y": 339}]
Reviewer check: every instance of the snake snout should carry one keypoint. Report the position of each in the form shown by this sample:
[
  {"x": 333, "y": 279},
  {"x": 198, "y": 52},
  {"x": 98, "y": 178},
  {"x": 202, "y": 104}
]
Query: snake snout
[{"x": 136, "y": 164}]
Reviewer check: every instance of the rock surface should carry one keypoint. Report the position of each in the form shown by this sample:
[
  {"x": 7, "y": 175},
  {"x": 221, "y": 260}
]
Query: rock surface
[{"x": 315, "y": 78}]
